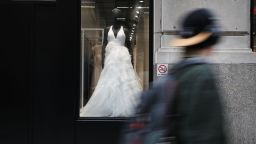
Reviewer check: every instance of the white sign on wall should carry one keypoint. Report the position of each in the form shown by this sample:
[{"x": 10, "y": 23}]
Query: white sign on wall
[{"x": 162, "y": 69}]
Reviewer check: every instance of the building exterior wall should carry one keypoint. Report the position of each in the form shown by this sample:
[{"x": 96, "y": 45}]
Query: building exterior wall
[{"x": 233, "y": 59}]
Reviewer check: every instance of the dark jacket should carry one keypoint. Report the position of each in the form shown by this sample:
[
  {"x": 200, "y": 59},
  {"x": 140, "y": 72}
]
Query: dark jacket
[{"x": 198, "y": 104}]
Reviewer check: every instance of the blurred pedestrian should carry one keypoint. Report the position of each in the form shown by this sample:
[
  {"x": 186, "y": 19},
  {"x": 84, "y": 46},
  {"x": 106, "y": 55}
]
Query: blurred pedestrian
[
  {"x": 198, "y": 104},
  {"x": 186, "y": 104}
]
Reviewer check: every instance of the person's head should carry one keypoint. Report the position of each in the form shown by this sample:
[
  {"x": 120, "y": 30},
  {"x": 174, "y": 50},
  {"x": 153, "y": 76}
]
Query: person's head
[{"x": 199, "y": 32}]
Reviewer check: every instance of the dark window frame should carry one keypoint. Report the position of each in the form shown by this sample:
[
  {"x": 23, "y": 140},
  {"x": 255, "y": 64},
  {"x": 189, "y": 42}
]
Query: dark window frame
[{"x": 252, "y": 24}]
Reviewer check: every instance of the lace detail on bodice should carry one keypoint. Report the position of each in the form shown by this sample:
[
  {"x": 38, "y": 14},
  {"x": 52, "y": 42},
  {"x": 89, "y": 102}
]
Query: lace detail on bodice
[{"x": 120, "y": 37}]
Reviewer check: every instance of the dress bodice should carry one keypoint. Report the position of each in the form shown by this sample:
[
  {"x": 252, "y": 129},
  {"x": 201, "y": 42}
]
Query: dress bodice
[{"x": 120, "y": 37}]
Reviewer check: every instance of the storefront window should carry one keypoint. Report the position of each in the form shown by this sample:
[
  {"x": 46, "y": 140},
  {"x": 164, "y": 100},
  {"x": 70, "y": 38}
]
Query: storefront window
[{"x": 114, "y": 56}]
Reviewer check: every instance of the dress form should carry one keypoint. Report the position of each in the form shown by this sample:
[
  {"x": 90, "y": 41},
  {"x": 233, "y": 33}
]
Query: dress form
[{"x": 116, "y": 25}]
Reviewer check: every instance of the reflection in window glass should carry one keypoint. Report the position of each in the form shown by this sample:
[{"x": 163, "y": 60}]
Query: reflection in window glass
[{"x": 114, "y": 59}]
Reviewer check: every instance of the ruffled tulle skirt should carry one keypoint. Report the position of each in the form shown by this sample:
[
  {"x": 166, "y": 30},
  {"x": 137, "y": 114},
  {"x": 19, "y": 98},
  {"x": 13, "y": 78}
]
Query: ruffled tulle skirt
[{"x": 118, "y": 89}]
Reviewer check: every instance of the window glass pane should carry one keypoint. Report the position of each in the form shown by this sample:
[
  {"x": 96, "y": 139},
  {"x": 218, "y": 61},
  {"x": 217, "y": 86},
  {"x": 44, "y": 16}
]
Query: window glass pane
[{"x": 114, "y": 56}]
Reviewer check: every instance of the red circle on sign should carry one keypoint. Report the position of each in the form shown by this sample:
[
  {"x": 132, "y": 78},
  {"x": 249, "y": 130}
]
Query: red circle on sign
[{"x": 162, "y": 69}]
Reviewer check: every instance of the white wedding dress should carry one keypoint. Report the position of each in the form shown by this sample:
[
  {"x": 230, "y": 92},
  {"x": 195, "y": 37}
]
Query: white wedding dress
[{"x": 117, "y": 91}]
